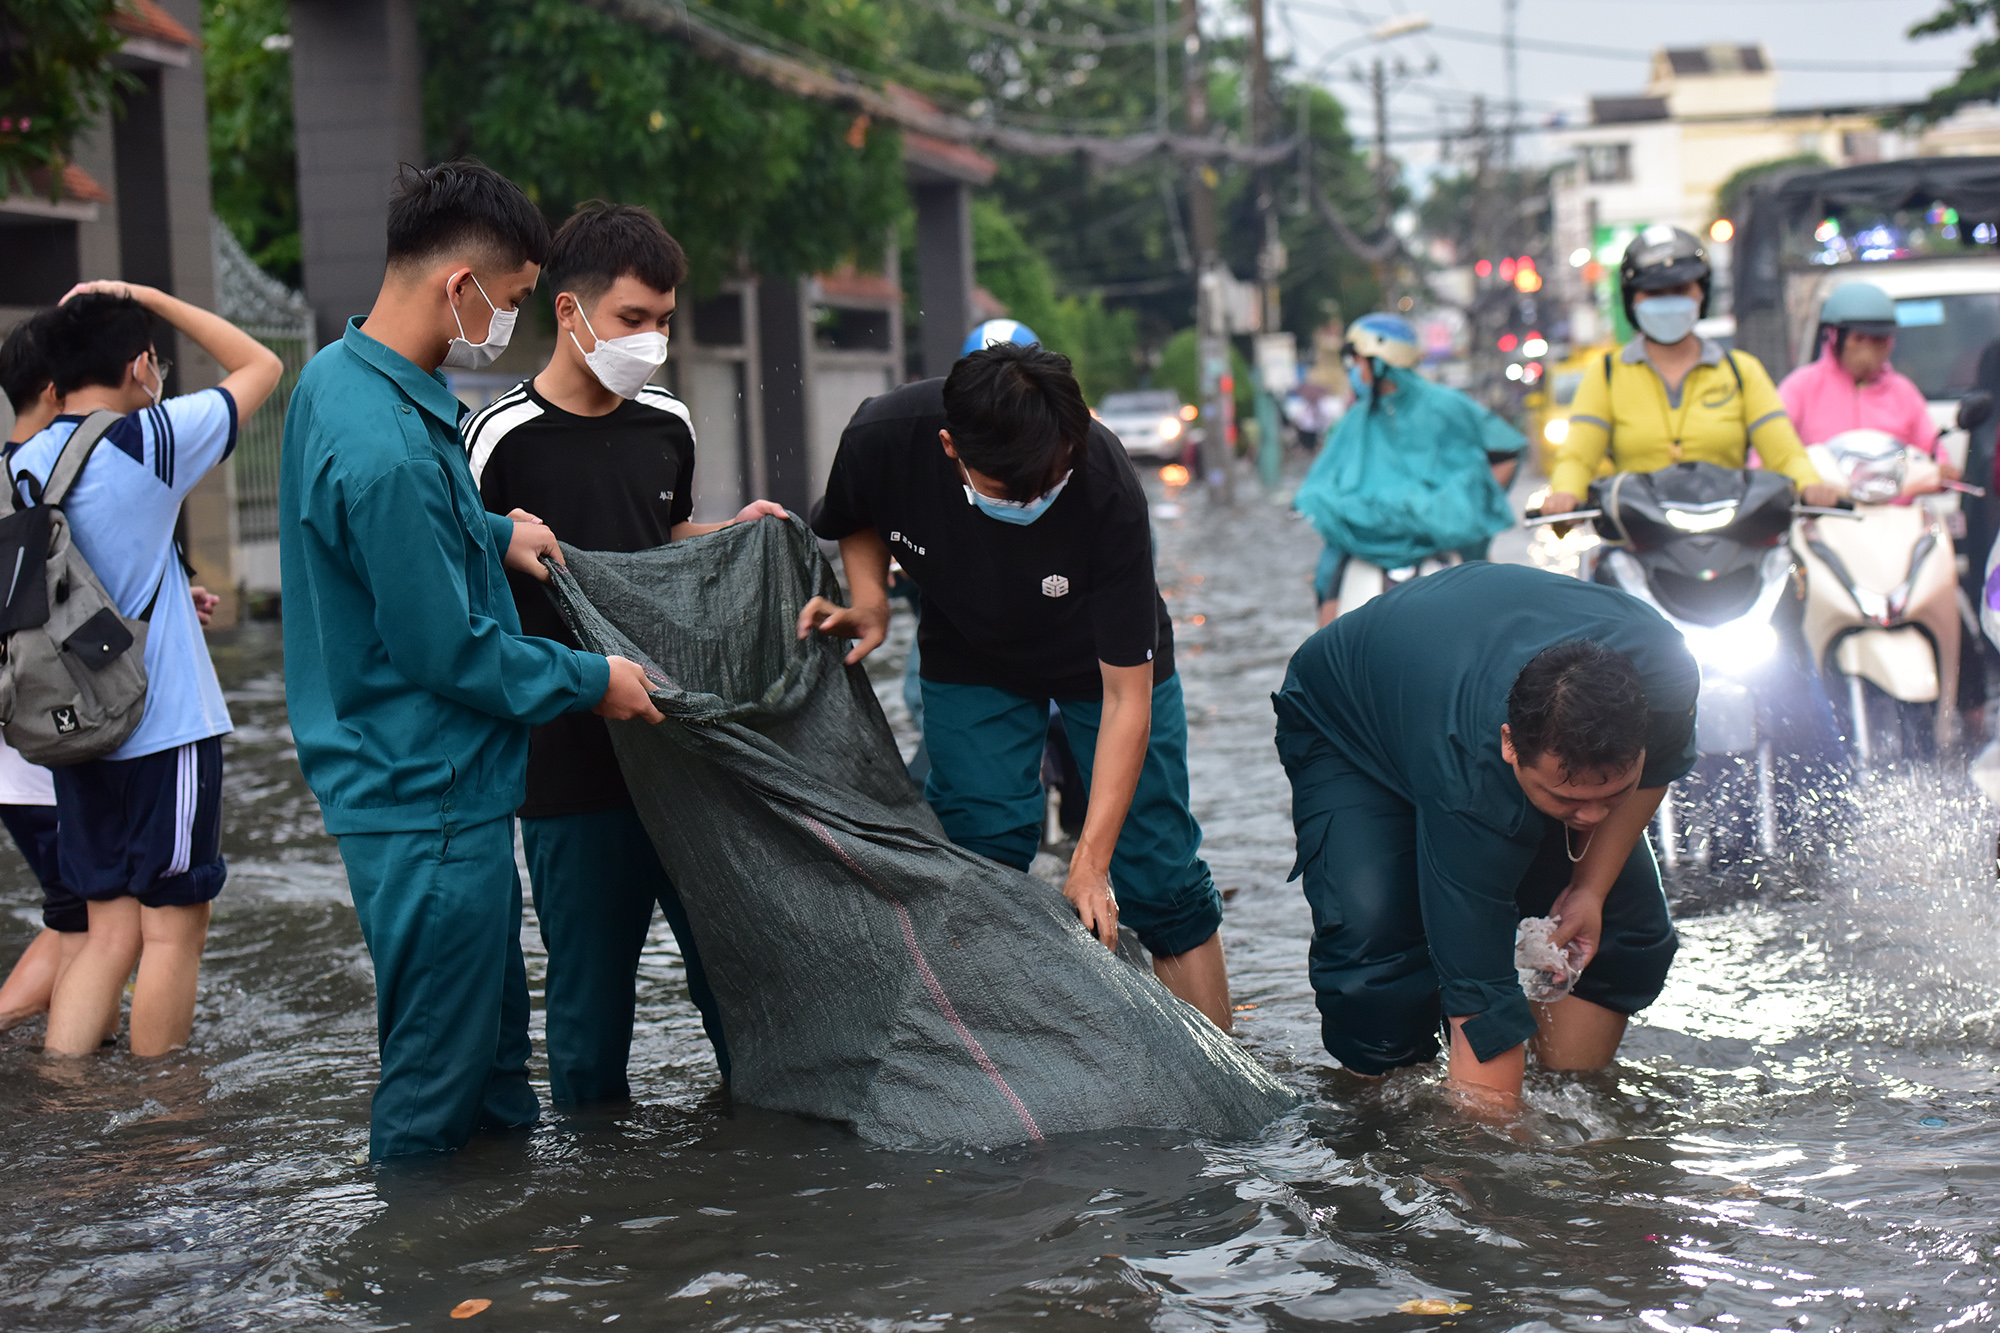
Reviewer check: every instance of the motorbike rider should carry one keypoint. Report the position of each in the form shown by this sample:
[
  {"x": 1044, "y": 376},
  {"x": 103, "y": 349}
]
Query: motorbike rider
[
  {"x": 1411, "y": 471},
  {"x": 1670, "y": 395},
  {"x": 1851, "y": 385}
]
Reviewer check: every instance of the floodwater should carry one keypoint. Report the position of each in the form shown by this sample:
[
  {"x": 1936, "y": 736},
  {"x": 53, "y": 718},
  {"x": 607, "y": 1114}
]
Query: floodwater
[{"x": 1803, "y": 1133}]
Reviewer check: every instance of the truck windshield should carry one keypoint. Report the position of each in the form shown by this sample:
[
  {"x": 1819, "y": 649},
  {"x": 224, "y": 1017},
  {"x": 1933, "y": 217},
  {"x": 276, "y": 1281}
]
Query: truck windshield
[{"x": 1939, "y": 339}]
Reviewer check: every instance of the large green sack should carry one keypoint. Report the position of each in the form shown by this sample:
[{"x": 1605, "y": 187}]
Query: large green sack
[{"x": 868, "y": 971}]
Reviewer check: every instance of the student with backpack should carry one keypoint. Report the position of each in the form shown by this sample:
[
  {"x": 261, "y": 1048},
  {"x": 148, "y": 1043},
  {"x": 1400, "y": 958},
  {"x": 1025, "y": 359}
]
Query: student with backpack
[{"x": 139, "y": 828}]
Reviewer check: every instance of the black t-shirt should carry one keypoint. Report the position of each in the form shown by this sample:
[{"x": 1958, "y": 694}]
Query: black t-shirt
[
  {"x": 1028, "y": 608},
  {"x": 619, "y": 482}
]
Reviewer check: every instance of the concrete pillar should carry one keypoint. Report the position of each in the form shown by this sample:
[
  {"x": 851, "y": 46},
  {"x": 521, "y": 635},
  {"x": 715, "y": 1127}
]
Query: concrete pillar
[
  {"x": 357, "y": 103},
  {"x": 208, "y": 517},
  {"x": 944, "y": 269},
  {"x": 781, "y": 348}
]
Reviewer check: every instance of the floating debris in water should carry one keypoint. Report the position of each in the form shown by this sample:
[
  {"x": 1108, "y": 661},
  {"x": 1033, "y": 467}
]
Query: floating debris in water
[
  {"x": 467, "y": 1309},
  {"x": 1433, "y": 1307}
]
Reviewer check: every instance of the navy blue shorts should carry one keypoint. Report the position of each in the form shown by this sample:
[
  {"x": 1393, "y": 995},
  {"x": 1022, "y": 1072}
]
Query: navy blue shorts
[
  {"x": 148, "y": 828},
  {"x": 34, "y": 830}
]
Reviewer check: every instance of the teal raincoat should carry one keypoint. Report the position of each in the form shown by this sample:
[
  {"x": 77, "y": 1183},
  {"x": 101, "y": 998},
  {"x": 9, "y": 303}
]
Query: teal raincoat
[{"x": 1406, "y": 476}]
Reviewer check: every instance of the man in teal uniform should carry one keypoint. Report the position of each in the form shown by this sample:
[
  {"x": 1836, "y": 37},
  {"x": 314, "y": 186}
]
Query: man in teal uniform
[
  {"x": 410, "y": 686},
  {"x": 1480, "y": 746}
]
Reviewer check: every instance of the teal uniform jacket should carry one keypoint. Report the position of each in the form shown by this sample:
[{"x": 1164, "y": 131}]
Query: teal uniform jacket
[
  {"x": 1413, "y": 689},
  {"x": 410, "y": 687}
]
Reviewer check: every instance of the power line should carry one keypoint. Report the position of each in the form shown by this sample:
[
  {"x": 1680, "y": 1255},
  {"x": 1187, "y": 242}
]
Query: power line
[
  {"x": 844, "y": 86},
  {"x": 1554, "y": 47}
]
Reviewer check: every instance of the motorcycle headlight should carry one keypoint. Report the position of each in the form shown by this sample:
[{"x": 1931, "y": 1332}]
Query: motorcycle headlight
[
  {"x": 1738, "y": 646},
  {"x": 1557, "y": 430},
  {"x": 1170, "y": 428}
]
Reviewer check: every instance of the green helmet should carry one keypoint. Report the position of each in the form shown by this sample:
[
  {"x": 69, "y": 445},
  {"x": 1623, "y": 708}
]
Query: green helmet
[{"x": 1859, "y": 307}]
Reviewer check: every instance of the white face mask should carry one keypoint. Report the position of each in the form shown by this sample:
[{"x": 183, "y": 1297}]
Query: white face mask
[
  {"x": 159, "y": 384},
  {"x": 622, "y": 365},
  {"x": 464, "y": 355}
]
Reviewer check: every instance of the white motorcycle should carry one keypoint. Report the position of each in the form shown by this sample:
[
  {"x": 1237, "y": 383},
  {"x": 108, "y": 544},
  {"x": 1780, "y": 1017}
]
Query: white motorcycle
[
  {"x": 1884, "y": 613},
  {"x": 1362, "y": 582}
]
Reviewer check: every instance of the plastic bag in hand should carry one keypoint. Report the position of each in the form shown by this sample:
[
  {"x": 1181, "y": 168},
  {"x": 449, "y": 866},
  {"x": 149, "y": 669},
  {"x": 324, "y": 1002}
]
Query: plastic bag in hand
[{"x": 1547, "y": 973}]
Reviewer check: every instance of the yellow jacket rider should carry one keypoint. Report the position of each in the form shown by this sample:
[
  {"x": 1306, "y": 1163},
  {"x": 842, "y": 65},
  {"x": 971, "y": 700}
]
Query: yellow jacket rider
[{"x": 1671, "y": 396}]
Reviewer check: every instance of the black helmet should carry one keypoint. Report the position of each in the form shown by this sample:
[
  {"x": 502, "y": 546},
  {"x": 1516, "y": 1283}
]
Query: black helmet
[{"x": 1662, "y": 257}]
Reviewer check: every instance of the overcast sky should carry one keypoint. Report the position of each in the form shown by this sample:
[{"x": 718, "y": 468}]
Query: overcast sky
[{"x": 1863, "y": 39}]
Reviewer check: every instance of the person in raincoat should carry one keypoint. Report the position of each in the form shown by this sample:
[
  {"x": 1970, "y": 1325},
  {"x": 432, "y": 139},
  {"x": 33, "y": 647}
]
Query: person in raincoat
[{"x": 1413, "y": 470}]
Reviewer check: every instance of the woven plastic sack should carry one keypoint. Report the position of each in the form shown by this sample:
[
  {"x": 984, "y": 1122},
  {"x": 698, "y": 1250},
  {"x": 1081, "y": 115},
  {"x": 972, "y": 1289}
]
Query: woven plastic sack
[{"x": 868, "y": 971}]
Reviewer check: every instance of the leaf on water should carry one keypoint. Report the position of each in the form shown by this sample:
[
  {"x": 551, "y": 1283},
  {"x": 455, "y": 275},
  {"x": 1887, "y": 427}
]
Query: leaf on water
[
  {"x": 1432, "y": 1307},
  {"x": 467, "y": 1309},
  {"x": 551, "y": 1249}
]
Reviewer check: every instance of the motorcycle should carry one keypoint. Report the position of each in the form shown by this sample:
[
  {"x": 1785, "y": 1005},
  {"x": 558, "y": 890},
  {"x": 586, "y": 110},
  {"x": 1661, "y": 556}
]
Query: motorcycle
[
  {"x": 1883, "y": 606},
  {"x": 1705, "y": 547},
  {"x": 1362, "y": 582}
]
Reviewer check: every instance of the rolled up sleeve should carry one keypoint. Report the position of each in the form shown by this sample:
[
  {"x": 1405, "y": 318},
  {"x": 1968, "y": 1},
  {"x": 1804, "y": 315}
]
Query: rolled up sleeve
[
  {"x": 409, "y": 550},
  {"x": 1466, "y": 878}
]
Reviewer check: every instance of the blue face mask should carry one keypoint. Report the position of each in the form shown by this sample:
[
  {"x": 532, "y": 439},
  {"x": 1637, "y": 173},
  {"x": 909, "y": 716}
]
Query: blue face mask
[
  {"x": 1667, "y": 319},
  {"x": 1018, "y": 512}
]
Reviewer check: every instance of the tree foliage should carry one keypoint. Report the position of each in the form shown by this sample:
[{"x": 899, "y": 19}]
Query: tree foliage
[
  {"x": 1730, "y": 192},
  {"x": 253, "y": 162},
  {"x": 575, "y": 104},
  {"x": 1979, "y": 81},
  {"x": 56, "y": 59},
  {"x": 1101, "y": 342}
]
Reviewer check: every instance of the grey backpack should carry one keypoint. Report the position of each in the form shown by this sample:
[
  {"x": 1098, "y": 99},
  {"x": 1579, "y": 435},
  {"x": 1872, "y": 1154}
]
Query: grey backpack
[{"x": 72, "y": 670}]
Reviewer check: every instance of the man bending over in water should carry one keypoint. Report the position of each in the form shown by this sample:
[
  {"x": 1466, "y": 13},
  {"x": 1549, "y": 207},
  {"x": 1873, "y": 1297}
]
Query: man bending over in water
[{"x": 1480, "y": 746}]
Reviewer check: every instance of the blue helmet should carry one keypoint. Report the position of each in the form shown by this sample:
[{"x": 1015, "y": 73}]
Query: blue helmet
[
  {"x": 1386, "y": 337},
  {"x": 998, "y": 331}
]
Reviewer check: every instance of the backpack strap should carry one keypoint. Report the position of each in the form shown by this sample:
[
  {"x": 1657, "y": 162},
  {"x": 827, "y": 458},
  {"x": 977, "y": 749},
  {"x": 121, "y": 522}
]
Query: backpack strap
[
  {"x": 1607, "y": 368},
  {"x": 1736, "y": 370},
  {"x": 76, "y": 451}
]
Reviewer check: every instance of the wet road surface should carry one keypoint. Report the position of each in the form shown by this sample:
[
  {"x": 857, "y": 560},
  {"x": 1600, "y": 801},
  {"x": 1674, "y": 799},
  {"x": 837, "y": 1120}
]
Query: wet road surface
[{"x": 1802, "y": 1134}]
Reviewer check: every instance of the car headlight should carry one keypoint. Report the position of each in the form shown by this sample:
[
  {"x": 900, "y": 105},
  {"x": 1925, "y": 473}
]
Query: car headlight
[
  {"x": 1733, "y": 647},
  {"x": 1556, "y": 431},
  {"x": 1170, "y": 428}
]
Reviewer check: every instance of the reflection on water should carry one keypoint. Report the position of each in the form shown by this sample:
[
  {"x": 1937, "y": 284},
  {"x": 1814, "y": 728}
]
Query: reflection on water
[{"x": 1803, "y": 1133}]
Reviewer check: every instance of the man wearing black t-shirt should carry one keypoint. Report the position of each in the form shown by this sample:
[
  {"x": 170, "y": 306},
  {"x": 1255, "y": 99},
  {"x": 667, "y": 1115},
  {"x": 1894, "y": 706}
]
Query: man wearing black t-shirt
[
  {"x": 1026, "y": 530},
  {"x": 607, "y": 460}
]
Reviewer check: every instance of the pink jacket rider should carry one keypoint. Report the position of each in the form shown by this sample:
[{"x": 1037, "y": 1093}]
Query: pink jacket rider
[{"x": 1823, "y": 400}]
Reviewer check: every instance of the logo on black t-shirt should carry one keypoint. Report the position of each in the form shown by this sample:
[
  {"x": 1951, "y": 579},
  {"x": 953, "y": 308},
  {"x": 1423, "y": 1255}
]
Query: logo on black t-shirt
[
  {"x": 1055, "y": 585},
  {"x": 898, "y": 539}
]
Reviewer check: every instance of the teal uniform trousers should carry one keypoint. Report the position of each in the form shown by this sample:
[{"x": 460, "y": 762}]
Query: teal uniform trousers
[
  {"x": 441, "y": 913},
  {"x": 596, "y": 878},
  {"x": 985, "y": 784}
]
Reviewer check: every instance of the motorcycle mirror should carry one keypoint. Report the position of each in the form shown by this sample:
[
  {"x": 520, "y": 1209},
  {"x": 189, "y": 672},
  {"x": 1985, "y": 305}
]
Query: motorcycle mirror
[{"x": 1974, "y": 409}]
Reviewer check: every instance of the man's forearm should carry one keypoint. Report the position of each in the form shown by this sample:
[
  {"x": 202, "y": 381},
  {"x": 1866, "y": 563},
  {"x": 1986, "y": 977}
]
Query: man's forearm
[
  {"x": 864, "y": 557},
  {"x": 1123, "y": 733},
  {"x": 232, "y": 348}
]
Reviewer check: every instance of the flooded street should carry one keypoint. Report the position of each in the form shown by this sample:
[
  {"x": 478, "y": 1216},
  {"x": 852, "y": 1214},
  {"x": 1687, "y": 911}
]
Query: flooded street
[{"x": 1804, "y": 1132}]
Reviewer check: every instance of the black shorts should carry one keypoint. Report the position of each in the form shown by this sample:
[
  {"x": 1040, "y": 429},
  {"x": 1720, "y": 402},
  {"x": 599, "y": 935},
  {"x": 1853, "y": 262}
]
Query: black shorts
[
  {"x": 148, "y": 828},
  {"x": 34, "y": 830}
]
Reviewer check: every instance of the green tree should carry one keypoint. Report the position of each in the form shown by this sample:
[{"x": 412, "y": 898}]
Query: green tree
[
  {"x": 1979, "y": 81},
  {"x": 253, "y": 161},
  {"x": 1730, "y": 192},
  {"x": 56, "y": 78},
  {"x": 575, "y": 104},
  {"x": 1101, "y": 342}
]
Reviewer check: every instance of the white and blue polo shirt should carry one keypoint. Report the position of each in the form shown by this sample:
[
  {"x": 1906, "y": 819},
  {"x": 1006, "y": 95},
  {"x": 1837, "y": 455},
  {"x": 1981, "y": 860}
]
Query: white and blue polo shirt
[{"x": 122, "y": 512}]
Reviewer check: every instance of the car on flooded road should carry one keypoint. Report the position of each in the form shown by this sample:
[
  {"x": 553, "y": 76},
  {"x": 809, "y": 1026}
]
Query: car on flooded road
[{"x": 1150, "y": 423}]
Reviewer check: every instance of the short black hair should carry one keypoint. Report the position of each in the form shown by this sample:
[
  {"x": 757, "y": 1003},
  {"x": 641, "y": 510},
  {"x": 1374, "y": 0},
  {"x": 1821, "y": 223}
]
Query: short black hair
[
  {"x": 1017, "y": 415},
  {"x": 464, "y": 205},
  {"x": 91, "y": 339},
  {"x": 1583, "y": 703},
  {"x": 601, "y": 243},
  {"x": 24, "y": 363}
]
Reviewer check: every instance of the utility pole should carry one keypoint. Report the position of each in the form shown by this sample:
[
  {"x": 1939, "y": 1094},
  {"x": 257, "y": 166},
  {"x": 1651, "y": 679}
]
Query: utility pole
[
  {"x": 1211, "y": 333},
  {"x": 1270, "y": 255},
  {"x": 1511, "y": 10}
]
